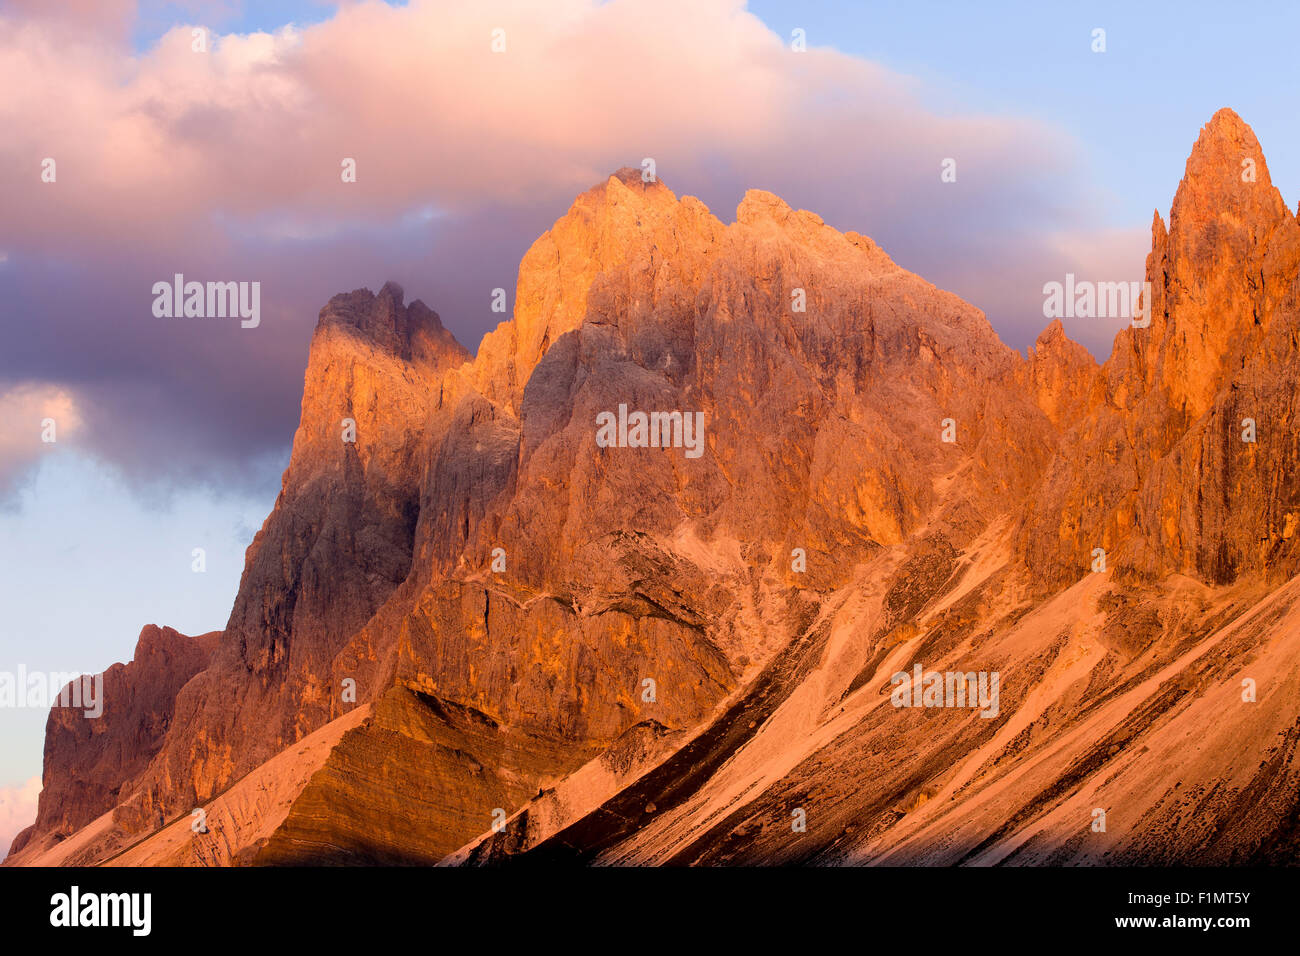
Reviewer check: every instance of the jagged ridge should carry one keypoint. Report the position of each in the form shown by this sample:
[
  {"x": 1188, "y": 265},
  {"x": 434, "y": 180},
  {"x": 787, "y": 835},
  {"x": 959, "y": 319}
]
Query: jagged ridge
[{"x": 824, "y": 434}]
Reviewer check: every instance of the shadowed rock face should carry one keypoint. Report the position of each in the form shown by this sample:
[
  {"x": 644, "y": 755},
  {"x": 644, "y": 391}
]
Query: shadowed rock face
[
  {"x": 90, "y": 763},
  {"x": 336, "y": 546},
  {"x": 547, "y": 626}
]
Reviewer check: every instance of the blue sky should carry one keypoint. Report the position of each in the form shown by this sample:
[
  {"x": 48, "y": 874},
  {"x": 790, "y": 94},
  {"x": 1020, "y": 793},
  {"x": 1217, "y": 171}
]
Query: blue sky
[
  {"x": 1135, "y": 109},
  {"x": 95, "y": 541},
  {"x": 89, "y": 559}
]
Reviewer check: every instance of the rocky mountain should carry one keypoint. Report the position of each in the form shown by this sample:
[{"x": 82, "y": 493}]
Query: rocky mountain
[
  {"x": 480, "y": 626},
  {"x": 93, "y": 761},
  {"x": 1167, "y": 484}
]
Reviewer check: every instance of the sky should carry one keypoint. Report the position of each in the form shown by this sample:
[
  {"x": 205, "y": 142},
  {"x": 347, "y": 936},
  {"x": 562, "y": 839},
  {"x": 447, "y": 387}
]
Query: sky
[{"x": 223, "y": 163}]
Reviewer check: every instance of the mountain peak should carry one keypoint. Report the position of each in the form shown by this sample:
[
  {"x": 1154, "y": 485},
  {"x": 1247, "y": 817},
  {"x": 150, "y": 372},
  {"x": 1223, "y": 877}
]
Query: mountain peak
[
  {"x": 1054, "y": 330},
  {"x": 1159, "y": 231},
  {"x": 1226, "y": 122},
  {"x": 633, "y": 178},
  {"x": 384, "y": 320},
  {"x": 1225, "y": 184},
  {"x": 1205, "y": 295},
  {"x": 759, "y": 205}
]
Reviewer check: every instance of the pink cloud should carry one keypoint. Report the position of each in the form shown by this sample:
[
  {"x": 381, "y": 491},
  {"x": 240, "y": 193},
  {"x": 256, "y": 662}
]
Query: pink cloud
[
  {"x": 17, "y": 810},
  {"x": 155, "y": 144},
  {"x": 30, "y": 413}
]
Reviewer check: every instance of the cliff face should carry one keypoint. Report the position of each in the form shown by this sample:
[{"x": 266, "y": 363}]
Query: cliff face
[
  {"x": 533, "y": 616},
  {"x": 337, "y": 544},
  {"x": 91, "y": 763},
  {"x": 1157, "y": 472}
]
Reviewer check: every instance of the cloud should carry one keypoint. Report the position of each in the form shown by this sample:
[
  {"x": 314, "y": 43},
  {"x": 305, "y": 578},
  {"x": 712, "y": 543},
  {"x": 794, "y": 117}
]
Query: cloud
[
  {"x": 30, "y": 413},
  {"x": 225, "y": 165},
  {"x": 17, "y": 810},
  {"x": 416, "y": 96},
  {"x": 69, "y": 14}
]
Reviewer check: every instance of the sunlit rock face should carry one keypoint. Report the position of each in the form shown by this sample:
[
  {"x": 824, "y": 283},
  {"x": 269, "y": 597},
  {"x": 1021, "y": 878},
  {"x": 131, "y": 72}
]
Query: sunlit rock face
[{"x": 1160, "y": 470}]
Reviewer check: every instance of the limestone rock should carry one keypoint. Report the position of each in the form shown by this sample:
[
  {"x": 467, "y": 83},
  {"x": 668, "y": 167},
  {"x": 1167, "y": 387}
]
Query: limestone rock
[
  {"x": 571, "y": 631},
  {"x": 1156, "y": 472}
]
